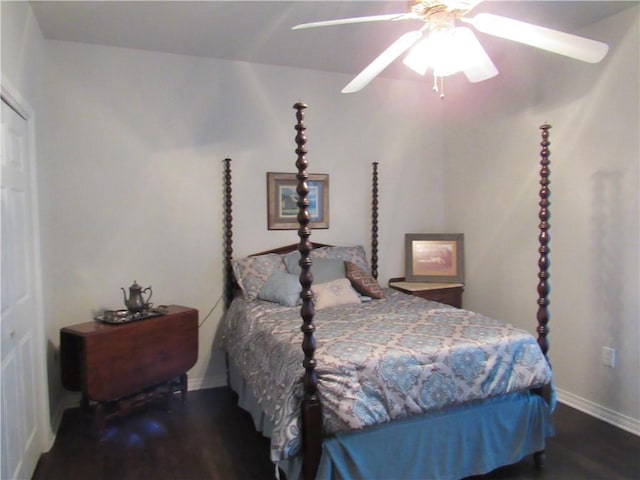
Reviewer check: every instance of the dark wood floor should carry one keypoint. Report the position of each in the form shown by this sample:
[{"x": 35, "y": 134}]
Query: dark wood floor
[{"x": 209, "y": 437}]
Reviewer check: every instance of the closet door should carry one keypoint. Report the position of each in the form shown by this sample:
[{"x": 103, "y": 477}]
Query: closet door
[{"x": 21, "y": 345}]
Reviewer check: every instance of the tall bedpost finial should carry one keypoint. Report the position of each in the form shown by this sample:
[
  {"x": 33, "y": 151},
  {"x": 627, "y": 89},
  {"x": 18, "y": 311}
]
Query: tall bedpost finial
[
  {"x": 311, "y": 410},
  {"x": 374, "y": 222},
  {"x": 543, "y": 238},
  {"x": 228, "y": 235}
]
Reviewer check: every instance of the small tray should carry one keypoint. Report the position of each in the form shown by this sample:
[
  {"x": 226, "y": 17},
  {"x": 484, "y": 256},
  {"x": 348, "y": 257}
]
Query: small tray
[{"x": 125, "y": 316}]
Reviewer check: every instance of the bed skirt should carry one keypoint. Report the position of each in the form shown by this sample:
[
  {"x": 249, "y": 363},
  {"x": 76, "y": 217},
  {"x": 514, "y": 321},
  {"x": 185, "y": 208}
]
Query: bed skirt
[{"x": 444, "y": 445}]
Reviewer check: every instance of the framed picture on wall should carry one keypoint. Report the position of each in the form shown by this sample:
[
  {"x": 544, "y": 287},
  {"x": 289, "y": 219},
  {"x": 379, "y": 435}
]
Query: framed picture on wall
[
  {"x": 434, "y": 257},
  {"x": 282, "y": 201}
]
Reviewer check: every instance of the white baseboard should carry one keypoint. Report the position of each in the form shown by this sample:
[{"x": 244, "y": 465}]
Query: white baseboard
[
  {"x": 631, "y": 425},
  {"x": 65, "y": 400},
  {"x": 56, "y": 420},
  {"x": 199, "y": 383},
  {"x": 71, "y": 399}
]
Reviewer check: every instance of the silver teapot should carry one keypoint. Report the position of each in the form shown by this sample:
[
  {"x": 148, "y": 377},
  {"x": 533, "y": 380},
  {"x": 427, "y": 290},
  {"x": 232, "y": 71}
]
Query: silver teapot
[{"x": 136, "y": 303}]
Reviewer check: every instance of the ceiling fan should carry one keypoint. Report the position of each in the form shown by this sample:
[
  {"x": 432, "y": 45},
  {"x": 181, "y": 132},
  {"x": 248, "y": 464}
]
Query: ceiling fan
[{"x": 446, "y": 48}]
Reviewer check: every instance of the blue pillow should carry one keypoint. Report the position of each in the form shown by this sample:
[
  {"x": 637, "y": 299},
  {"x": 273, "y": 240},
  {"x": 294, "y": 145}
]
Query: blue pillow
[
  {"x": 291, "y": 262},
  {"x": 323, "y": 269},
  {"x": 281, "y": 287}
]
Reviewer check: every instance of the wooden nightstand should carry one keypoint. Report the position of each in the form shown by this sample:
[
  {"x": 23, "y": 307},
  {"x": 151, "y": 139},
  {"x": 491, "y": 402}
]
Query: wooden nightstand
[
  {"x": 449, "y": 293},
  {"x": 124, "y": 365}
]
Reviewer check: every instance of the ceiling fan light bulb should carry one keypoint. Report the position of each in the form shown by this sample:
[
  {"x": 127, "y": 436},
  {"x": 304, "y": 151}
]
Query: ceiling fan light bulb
[
  {"x": 454, "y": 52},
  {"x": 445, "y": 55},
  {"x": 445, "y": 51},
  {"x": 419, "y": 57},
  {"x": 432, "y": 52}
]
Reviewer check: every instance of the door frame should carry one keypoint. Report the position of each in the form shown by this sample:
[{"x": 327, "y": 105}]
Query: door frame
[{"x": 12, "y": 97}]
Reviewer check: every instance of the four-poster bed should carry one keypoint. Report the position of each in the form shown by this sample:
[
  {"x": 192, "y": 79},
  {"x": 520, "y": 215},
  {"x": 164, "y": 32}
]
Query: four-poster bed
[{"x": 396, "y": 386}]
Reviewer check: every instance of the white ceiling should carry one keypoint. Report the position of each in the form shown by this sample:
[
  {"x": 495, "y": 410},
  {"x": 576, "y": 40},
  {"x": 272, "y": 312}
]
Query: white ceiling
[{"x": 260, "y": 31}]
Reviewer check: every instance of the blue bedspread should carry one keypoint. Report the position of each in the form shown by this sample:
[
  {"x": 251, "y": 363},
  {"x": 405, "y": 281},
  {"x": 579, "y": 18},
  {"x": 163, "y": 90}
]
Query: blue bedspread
[{"x": 378, "y": 361}]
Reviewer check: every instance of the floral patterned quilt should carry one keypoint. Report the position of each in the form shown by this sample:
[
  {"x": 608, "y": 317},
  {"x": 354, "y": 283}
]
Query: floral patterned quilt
[{"x": 376, "y": 361}]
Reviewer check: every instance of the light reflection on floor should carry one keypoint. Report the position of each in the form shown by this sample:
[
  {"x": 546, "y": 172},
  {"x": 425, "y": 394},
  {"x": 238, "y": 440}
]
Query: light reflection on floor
[{"x": 135, "y": 433}]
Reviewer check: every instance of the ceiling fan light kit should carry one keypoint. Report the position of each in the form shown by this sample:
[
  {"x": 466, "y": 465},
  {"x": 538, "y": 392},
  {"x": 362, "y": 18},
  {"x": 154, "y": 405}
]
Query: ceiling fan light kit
[
  {"x": 446, "y": 49},
  {"x": 449, "y": 51}
]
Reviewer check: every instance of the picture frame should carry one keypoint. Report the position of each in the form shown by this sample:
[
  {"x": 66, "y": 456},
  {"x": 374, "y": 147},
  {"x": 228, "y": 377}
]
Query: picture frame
[
  {"x": 434, "y": 257},
  {"x": 282, "y": 201}
]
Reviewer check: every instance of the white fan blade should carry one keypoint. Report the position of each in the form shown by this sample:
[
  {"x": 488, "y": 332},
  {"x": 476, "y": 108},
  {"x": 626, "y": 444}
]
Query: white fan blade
[
  {"x": 480, "y": 67},
  {"x": 383, "y": 60},
  {"x": 554, "y": 41},
  {"x": 345, "y": 21},
  {"x": 461, "y": 5}
]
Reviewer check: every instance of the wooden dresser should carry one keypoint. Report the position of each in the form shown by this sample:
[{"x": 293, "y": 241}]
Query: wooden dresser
[
  {"x": 449, "y": 293},
  {"x": 122, "y": 365}
]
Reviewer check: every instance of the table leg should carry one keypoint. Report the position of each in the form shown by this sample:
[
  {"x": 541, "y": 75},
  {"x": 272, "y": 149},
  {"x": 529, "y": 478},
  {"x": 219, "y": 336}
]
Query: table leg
[
  {"x": 100, "y": 418},
  {"x": 183, "y": 386},
  {"x": 84, "y": 402}
]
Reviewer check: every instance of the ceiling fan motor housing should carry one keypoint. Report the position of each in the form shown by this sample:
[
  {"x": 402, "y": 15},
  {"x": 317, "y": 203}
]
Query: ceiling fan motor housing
[{"x": 426, "y": 9}]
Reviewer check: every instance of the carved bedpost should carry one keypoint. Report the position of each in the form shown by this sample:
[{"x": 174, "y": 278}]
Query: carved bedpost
[
  {"x": 374, "y": 222},
  {"x": 311, "y": 409},
  {"x": 539, "y": 458},
  {"x": 228, "y": 235},
  {"x": 543, "y": 238}
]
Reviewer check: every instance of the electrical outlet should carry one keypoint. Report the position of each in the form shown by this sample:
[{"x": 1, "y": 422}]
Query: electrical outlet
[{"x": 609, "y": 357}]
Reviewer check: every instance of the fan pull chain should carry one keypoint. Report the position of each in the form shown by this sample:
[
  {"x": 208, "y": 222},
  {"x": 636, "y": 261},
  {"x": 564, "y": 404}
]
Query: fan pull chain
[{"x": 435, "y": 85}]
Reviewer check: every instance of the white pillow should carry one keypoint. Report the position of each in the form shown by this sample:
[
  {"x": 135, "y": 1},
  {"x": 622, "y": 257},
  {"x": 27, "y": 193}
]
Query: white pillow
[{"x": 330, "y": 294}]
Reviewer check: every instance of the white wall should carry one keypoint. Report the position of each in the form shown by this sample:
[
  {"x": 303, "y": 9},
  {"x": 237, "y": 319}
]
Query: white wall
[
  {"x": 133, "y": 173},
  {"x": 491, "y": 177}
]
